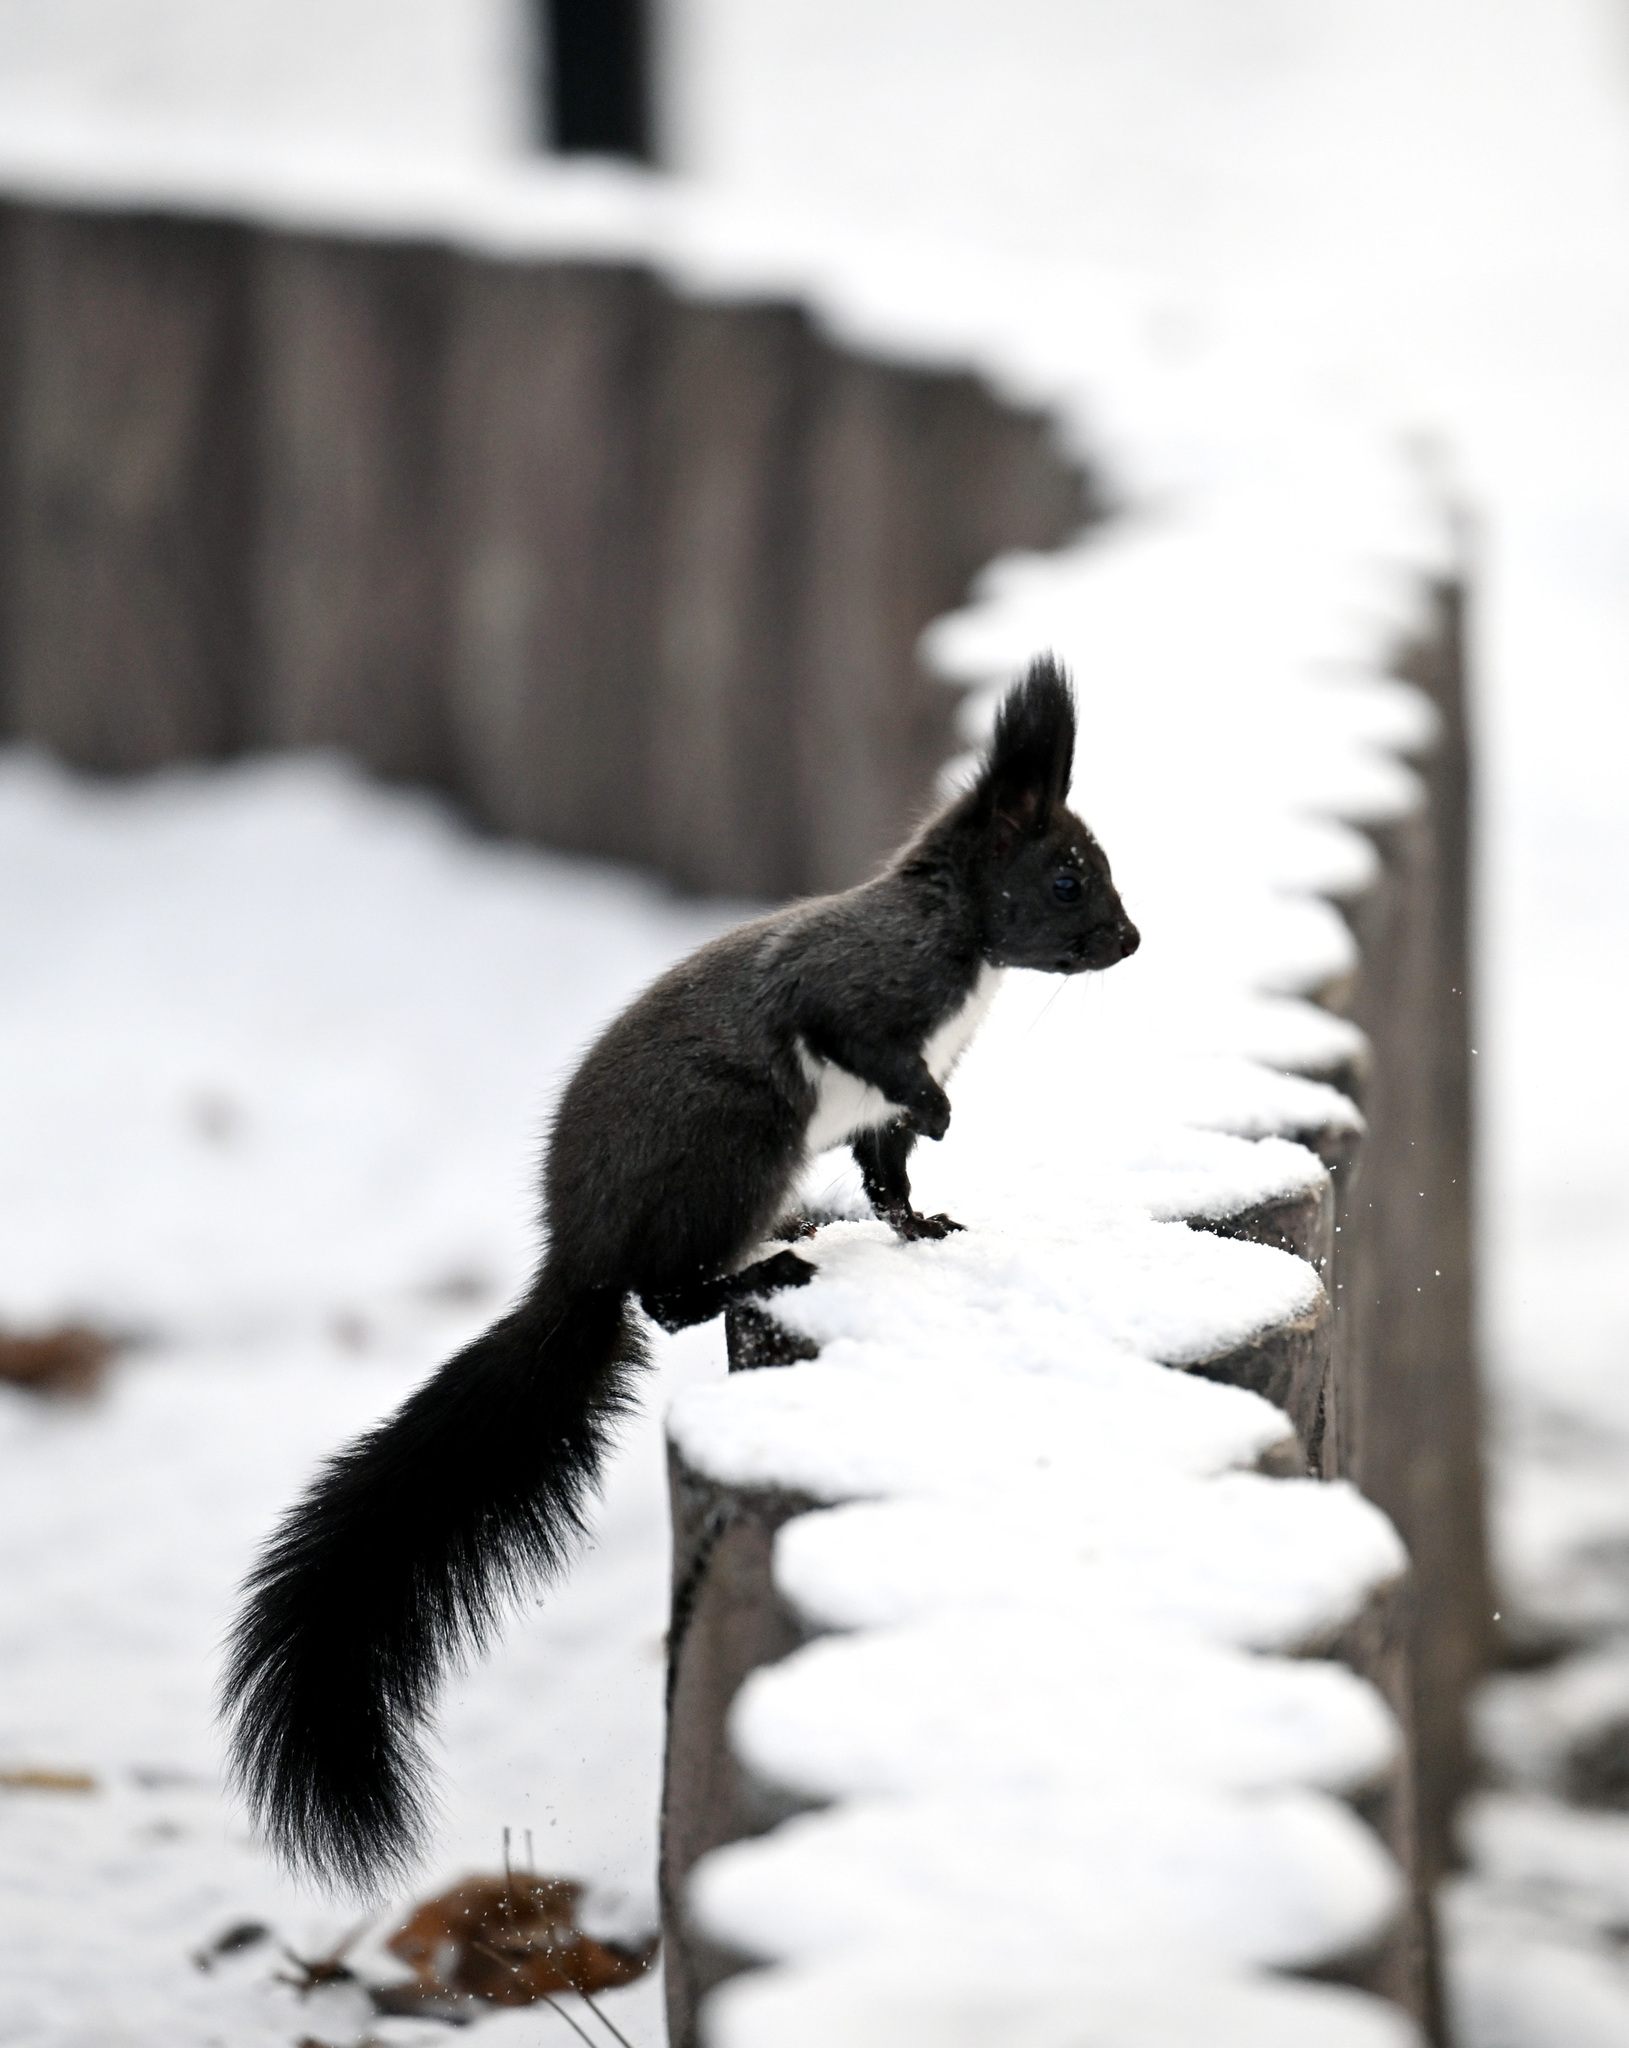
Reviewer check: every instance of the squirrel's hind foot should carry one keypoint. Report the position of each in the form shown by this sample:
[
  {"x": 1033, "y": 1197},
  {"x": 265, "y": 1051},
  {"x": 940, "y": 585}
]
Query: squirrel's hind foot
[{"x": 683, "y": 1307}]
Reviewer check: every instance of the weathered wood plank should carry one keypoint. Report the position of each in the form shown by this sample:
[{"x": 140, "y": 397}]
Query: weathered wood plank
[
  {"x": 351, "y": 570},
  {"x": 128, "y": 500},
  {"x": 732, "y": 410},
  {"x": 1410, "y": 1420},
  {"x": 549, "y": 503},
  {"x": 727, "y": 1620}
]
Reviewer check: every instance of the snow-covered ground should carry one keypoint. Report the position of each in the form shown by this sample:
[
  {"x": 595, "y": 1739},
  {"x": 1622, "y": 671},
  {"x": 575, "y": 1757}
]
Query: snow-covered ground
[
  {"x": 1417, "y": 210},
  {"x": 277, "y": 1048}
]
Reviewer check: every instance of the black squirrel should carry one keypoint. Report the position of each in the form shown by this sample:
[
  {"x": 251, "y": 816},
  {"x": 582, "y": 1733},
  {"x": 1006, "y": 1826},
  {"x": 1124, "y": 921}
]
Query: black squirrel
[{"x": 675, "y": 1151}]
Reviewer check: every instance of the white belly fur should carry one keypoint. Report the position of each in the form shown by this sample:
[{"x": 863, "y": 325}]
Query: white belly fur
[{"x": 845, "y": 1105}]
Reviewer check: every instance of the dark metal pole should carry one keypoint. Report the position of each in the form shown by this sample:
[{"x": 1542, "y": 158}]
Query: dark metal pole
[{"x": 595, "y": 77}]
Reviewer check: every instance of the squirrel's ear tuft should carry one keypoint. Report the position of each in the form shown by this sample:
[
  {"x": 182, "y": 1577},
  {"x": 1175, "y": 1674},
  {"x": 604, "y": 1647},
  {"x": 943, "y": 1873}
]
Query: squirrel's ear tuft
[{"x": 1025, "y": 778}]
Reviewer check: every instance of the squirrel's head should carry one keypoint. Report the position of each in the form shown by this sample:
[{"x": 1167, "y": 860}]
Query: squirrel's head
[{"x": 1045, "y": 893}]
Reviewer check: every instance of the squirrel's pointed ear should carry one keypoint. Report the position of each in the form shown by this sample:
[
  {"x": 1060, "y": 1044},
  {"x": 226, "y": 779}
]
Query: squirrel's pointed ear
[{"x": 1025, "y": 778}]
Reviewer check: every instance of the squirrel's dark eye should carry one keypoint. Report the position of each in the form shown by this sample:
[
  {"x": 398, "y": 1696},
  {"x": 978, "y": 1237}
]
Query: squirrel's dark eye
[{"x": 1066, "y": 888}]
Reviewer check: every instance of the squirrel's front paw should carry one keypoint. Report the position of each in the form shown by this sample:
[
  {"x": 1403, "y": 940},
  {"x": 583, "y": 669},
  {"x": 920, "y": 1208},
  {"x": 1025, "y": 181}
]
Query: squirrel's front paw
[{"x": 911, "y": 1227}]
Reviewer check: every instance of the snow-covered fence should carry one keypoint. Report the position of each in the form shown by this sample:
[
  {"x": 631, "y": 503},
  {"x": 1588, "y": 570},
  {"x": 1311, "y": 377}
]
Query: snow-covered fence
[
  {"x": 625, "y": 570},
  {"x": 962, "y": 1589},
  {"x": 1410, "y": 1426}
]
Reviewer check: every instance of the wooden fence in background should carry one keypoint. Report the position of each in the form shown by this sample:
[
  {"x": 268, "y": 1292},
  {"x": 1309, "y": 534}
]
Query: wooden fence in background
[{"x": 622, "y": 571}]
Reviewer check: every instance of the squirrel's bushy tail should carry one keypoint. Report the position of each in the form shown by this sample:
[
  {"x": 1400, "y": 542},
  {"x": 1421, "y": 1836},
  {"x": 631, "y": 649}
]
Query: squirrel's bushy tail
[{"x": 401, "y": 1558}]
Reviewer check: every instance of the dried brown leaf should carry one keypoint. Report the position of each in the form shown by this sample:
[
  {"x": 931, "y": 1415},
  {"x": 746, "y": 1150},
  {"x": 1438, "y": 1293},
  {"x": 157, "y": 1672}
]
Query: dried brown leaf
[
  {"x": 509, "y": 1940},
  {"x": 30, "y": 1780},
  {"x": 66, "y": 1364}
]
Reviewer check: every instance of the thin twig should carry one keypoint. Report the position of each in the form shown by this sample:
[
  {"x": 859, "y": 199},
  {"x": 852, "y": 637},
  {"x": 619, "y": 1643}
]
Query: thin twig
[
  {"x": 609, "y": 2025},
  {"x": 326, "y": 1969},
  {"x": 570, "y": 2022}
]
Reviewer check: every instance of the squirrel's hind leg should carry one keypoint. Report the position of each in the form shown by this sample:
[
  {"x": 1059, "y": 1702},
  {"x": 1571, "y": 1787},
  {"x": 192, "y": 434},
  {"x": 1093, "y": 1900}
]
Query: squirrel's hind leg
[
  {"x": 679, "y": 1308},
  {"x": 883, "y": 1157}
]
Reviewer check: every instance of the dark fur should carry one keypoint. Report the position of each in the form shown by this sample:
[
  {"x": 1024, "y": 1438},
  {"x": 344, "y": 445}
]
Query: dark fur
[{"x": 675, "y": 1150}]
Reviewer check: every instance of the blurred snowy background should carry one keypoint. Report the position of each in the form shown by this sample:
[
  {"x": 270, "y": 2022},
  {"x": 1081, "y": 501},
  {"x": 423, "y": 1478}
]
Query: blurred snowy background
[{"x": 275, "y": 1047}]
